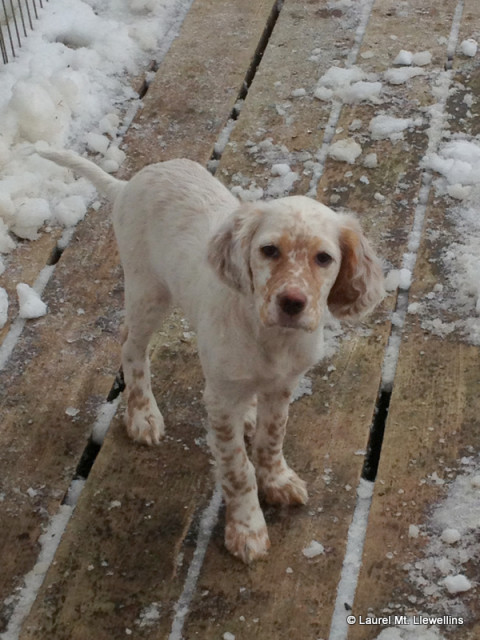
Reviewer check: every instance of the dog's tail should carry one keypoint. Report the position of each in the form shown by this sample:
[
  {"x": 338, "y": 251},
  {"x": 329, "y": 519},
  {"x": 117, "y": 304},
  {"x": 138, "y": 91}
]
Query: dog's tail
[{"x": 104, "y": 182}]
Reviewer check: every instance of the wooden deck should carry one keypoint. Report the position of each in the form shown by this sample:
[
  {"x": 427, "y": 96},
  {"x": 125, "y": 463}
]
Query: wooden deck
[{"x": 130, "y": 560}]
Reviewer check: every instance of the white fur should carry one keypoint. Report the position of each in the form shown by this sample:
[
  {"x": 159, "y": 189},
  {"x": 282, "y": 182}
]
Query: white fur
[{"x": 184, "y": 239}]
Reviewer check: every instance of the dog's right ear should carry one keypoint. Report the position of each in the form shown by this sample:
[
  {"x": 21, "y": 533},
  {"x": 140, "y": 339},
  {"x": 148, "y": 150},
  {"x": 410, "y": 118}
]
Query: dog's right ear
[{"x": 229, "y": 248}]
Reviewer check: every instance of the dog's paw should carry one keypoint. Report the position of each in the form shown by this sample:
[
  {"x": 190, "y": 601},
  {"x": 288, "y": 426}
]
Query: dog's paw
[
  {"x": 285, "y": 488},
  {"x": 145, "y": 425},
  {"x": 246, "y": 543}
]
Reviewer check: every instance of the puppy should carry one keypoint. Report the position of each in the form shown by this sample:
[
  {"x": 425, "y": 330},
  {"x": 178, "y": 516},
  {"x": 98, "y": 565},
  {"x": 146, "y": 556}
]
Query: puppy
[{"x": 255, "y": 280}]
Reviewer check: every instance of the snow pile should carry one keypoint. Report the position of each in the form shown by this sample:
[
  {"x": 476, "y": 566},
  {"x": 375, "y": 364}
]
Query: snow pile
[
  {"x": 346, "y": 150},
  {"x": 384, "y": 126},
  {"x": 31, "y": 305},
  {"x": 70, "y": 86},
  {"x": 404, "y": 58},
  {"x": 459, "y": 163},
  {"x": 407, "y": 58},
  {"x": 350, "y": 85},
  {"x": 398, "y": 279},
  {"x": 402, "y": 75},
  {"x": 469, "y": 47}
]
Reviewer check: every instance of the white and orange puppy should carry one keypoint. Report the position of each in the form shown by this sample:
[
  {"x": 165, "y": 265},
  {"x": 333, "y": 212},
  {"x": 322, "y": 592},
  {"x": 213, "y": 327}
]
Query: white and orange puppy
[{"x": 255, "y": 281}]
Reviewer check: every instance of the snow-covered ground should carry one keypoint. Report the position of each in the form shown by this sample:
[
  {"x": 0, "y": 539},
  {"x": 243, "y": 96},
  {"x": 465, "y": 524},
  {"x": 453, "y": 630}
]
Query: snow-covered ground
[{"x": 70, "y": 86}]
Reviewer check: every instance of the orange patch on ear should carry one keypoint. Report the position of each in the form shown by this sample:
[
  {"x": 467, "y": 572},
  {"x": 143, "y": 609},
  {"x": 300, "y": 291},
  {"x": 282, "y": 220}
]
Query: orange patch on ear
[{"x": 342, "y": 293}]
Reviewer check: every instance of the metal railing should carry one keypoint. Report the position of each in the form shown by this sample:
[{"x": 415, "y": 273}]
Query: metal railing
[{"x": 16, "y": 20}]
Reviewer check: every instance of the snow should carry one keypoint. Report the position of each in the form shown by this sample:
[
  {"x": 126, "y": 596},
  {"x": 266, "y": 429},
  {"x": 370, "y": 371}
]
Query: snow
[
  {"x": 439, "y": 573},
  {"x": 3, "y": 307},
  {"x": 413, "y": 531},
  {"x": 422, "y": 58},
  {"x": 457, "y": 162},
  {"x": 313, "y": 549},
  {"x": 450, "y": 535},
  {"x": 404, "y": 58},
  {"x": 384, "y": 126},
  {"x": 31, "y": 305},
  {"x": 281, "y": 169},
  {"x": 370, "y": 161},
  {"x": 457, "y": 584},
  {"x": 105, "y": 415},
  {"x": 282, "y": 185},
  {"x": 22, "y": 601},
  {"x": 346, "y": 150},
  {"x": 469, "y": 47},
  {"x": 70, "y": 86},
  {"x": 352, "y": 561},
  {"x": 407, "y": 58},
  {"x": 351, "y": 85},
  {"x": 299, "y": 93},
  {"x": 149, "y": 616},
  {"x": 402, "y": 75},
  {"x": 304, "y": 388},
  {"x": 207, "y": 523}
]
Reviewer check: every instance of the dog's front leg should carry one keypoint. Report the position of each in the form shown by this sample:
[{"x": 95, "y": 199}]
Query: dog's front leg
[
  {"x": 277, "y": 482},
  {"x": 246, "y": 533}
]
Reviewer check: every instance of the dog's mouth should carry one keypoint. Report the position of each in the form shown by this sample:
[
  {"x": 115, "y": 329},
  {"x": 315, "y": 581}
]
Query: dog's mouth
[{"x": 297, "y": 323}]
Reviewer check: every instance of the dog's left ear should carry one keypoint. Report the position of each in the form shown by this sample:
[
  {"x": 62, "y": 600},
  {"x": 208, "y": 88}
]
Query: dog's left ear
[
  {"x": 359, "y": 286},
  {"x": 229, "y": 248}
]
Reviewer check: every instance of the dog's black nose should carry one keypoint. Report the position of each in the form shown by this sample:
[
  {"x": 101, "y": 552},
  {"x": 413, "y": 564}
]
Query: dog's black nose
[{"x": 292, "y": 302}]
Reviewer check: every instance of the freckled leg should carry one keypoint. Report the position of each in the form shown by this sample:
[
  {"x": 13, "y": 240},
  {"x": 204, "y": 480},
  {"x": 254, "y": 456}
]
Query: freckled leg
[
  {"x": 143, "y": 419},
  {"x": 277, "y": 482},
  {"x": 250, "y": 420},
  {"x": 246, "y": 533}
]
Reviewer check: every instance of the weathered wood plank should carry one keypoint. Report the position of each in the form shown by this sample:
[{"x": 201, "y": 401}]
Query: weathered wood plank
[
  {"x": 188, "y": 103},
  {"x": 275, "y": 126},
  {"x": 128, "y": 544},
  {"x": 432, "y": 422},
  {"x": 84, "y": 255},
  {"x": 64, "y": 360},
  {"x": 390, "y": 30},
  {"x": 24, "y": 265}
]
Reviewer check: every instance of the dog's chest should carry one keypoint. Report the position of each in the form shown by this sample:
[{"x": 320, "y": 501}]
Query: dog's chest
[{"x": 286, "y": 358}]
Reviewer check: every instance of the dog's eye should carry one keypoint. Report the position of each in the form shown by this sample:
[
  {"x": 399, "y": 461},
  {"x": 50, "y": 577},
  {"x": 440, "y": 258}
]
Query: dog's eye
[
  {"x": 323, "y": 259},
  {"x": 270, "y": 251}
]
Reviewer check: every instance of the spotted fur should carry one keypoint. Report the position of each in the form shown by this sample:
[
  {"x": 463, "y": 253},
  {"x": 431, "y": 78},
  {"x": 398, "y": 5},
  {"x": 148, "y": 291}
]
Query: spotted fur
[{"x": 255, "y": 281}]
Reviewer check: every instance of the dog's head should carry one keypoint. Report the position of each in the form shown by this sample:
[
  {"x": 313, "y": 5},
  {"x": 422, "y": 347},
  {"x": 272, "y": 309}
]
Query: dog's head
[{"x": 296, "y": 256}]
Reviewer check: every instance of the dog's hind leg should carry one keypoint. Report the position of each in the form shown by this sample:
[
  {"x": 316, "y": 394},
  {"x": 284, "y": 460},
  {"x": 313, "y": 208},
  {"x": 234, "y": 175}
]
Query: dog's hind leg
[{"x": 145, "y": 309}]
